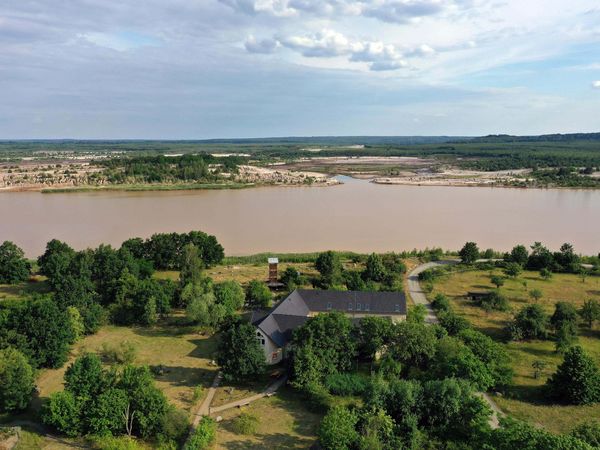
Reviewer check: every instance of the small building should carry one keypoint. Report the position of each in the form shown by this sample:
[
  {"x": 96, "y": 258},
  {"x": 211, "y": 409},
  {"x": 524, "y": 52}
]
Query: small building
[
  {"x": 274, "y": 328},
  {"x": 273, "y": 280},
  {"x": 478, "y": 296}
]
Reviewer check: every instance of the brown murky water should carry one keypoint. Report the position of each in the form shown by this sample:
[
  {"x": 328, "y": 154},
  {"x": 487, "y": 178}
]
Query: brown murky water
[{"x": 358, "y": 216}]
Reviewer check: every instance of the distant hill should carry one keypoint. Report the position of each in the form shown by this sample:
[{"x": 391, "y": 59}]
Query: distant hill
[{"x": 571, "y": 137}]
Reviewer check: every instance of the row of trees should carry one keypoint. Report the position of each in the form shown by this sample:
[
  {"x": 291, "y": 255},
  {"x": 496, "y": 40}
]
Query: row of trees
[
  {"x": 538, "y": 258},
  {"x": 382, "y": 272}
]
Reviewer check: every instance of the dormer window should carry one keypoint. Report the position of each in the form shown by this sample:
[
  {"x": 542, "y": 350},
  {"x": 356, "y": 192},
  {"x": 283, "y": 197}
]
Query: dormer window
[
  {"x": 397, "y": 308},
  {"x": 329, "y": 306},
  {"x": 367, "y": 307},
  {"x": 358, "y": 306},
  {"x": 350, "y": 306}
]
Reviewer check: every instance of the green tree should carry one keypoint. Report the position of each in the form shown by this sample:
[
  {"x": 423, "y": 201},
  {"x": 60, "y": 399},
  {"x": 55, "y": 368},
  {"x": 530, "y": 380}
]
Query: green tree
[
  {"x": 531, "y": 322},
  {"x": 322, "y": 346},
  {"x": 493, "y": 355},
  {"x": 413, "y": 344},
  {"x": 452, "y": 411},
  {"x": 374, "y": 270},
  {"x": 56, "y": 261},
  {"x": 536, "y": 295},
  {"x": 17, "y": 380},
  {"x": 338, "y": 429},
  {"x": 519, "y": 255},
  {"x": 229, "y": 294},
  {"x": 14, "y": 268},
  {"x": 590, "y": 312},
  {"x": 564, "y": 314},
  {"x": 497, "y": 281},
  {"x": 494, "y": 300},
  {"x": 291, "y": 278},
  {"x": 191, "y": 265},
  {"x": 47, "y": 330},
  {"x": 330, "y": 267},
  {"x": 513, "y": 269},
  {"x": 376, "y": 430},
  {"x": 577, "y": 379},
  {"x": 240, "y": 355},
  {"x": 258, "y": 295},
  {"x": 545, "y": 274},
  {"x": 453, "y": 359},
  {"x": 63, "y": 412},
  {"x": 200, "y": 306},
  {"x": 85, "y": 378},
  {"x": 469, "y": 253},
  {"x": 588, "y": 432},
  {"x": 440, "y": 302},
  {"x": 106, "y": 413},
  {"x": 76, "y": 322},
  {"x": 372, "y": 334}
]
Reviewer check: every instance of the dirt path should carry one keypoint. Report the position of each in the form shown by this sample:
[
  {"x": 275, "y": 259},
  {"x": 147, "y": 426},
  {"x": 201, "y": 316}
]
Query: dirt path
[
  {"x": 419, "y": 298},
  {"x": 204, "y": 409},
  {"x": 270, "y": 390}
]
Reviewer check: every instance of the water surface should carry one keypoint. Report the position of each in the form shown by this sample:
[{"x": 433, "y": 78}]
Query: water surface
[{"x": 357, "y": 215}]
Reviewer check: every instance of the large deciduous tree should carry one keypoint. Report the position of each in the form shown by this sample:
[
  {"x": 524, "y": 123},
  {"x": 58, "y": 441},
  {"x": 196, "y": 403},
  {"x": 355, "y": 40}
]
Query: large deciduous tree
[
  {"x": 239, "y": 353},
  {"x": 14, "y": 268}
]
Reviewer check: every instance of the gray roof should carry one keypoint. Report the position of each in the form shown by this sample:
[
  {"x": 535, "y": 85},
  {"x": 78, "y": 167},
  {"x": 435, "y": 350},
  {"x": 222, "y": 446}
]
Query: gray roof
[{"x": 284, "y": 318}]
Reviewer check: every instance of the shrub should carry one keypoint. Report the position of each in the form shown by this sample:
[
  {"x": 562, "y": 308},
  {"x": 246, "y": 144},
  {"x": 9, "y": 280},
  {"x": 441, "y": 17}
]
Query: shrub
[
  {"x": 494, "y": 301},
  {"x": 530, "y": 323},
  {"x": 117, "y": 443},
  {"x": 204, "y": 435},
  {"x": 245, "y": 423},
  {"x": 258, "y": 295},
  {"x": 346, "y": 384},
  {"x": 175, "y": 425},
  {"x": 122, "y": 353},
  {"x": 16, "y": 380},
  {"x": 440, "y": 303},
  {"x": 577, "y": 379},
  {"x": 63, "y": 413},
  {"x": 338, "y": 429},
  {"x": 453, "y": 323},
  {"x": 589, "y": 432}
]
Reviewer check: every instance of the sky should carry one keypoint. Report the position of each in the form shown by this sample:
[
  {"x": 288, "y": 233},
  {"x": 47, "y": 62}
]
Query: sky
[{"x": 195, "y": 69}]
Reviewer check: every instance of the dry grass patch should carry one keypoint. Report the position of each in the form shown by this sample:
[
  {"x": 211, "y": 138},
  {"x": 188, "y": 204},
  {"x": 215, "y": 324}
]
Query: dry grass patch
[
  {"x": 184, "y": 354},
  {"x": 283, "y": 423}
]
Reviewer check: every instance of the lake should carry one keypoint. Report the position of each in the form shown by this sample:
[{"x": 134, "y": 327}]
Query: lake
[{"x": 357, "y": 215}]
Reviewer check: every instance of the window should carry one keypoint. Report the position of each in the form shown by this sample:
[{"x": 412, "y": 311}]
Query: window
[
  {"x": 397, "y": 308},
  {"x": 329, "y": 306},
  {"x": 262, "y": 341},
  {"x": 358, "y": 306},
  {"x": 367, "y": 307},
  {"x": 350, "y": 306}
]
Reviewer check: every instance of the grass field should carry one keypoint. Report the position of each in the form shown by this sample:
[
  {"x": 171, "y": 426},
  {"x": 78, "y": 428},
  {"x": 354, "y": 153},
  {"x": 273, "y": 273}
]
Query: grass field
[
  {"x": 284, "y": 423},
  {"x": 184, "y": 354},
  {"x": 35, "y": 285},
  {"x": 525, "y": 400}
]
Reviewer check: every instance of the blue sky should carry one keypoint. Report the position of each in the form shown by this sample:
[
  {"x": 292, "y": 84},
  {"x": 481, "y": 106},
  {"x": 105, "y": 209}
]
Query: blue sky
[{"x": 184, "y": 69}]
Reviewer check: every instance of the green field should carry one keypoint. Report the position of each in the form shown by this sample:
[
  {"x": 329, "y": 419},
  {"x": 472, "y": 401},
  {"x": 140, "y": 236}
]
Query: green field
[{"x": 525, "y": 399}]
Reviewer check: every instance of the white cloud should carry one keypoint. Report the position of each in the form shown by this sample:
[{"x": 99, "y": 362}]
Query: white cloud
[
  {"x": 596, "y": 84},
  {"x": 329, "y": 44},
  {"x": 253, "y": 45}
]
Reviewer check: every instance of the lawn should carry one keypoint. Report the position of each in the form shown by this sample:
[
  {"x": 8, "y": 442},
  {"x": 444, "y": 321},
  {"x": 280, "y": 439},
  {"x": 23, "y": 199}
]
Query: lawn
[
  {"x": 525, "y": 399},
  {"x": 185, "y": 355},
  {"x": 36, "y": 284},
  {"x": 284, "y": 423}
]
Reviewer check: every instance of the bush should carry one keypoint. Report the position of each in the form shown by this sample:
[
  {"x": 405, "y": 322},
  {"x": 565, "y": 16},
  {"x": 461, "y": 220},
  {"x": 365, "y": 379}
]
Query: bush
[
  {"x": 245, "y": 423},
  {"x": 530, "y": 323},
  {"x": 258, "y": 295},
  {"x": 577, "y": 379},
  {"x": 338, "y": 429},
  {"x": 494, "y": 301},
  {"x": 589, "y": 432},
  {"x": 440, "y": 303},
  {"x": 453, "y": 323},
  {"x": 16, "y": 381},
  {"x": 204, "y": 435},
  {"x": 122, "y": 353},
  {"x": 175, "y": 425},
  {"x": 62, "y": 412},
  {"x": 346, "y": 384},
  {"x": 117, "y": 443}
]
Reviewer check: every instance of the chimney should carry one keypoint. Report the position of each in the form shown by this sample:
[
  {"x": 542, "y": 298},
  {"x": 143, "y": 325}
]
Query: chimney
[{"x": 273, "y": 262}]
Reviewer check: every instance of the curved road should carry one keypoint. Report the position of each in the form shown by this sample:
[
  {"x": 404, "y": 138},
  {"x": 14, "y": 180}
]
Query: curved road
[{"x": 419, "y": 298}]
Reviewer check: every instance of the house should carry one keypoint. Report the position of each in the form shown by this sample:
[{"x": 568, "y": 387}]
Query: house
[{"x": 274, "y": 328}]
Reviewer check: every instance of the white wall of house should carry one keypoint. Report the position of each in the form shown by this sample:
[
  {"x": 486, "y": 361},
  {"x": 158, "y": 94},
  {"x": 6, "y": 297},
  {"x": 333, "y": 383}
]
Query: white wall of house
[{"x": 273, "y": 353}]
